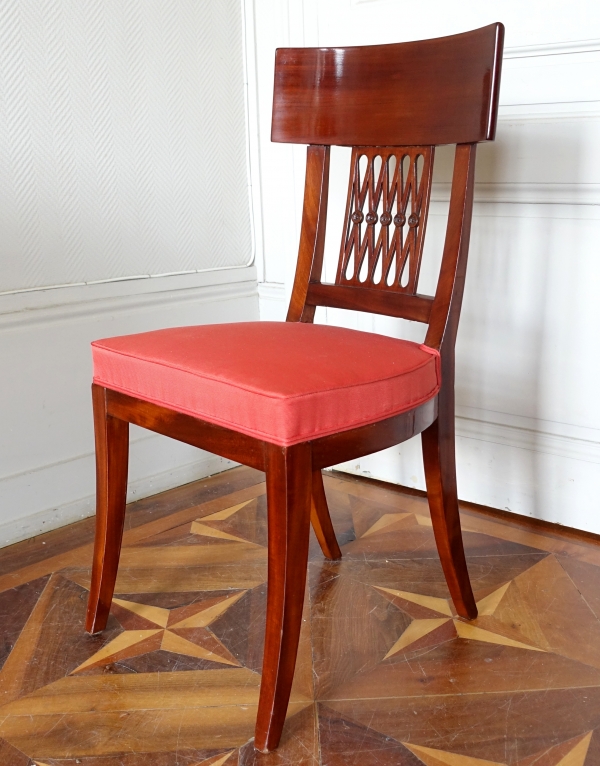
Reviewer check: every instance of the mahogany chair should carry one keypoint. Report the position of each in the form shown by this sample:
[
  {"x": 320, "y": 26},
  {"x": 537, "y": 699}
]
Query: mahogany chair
[{"x": 293, "y": 398}]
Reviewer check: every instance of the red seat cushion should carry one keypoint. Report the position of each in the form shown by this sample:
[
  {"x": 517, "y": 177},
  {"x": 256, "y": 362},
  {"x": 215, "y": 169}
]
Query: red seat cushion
[{"x": 278, "y": 381}]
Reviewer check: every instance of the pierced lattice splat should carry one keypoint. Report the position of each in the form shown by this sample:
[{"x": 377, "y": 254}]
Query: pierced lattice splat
[{"x": 386, "y": 216}]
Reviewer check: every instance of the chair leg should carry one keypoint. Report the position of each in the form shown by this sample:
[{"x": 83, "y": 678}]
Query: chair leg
[
  {"x": 440, "y": 476},
  {"x": 288, "y": 502},
  {"x": 321, "y": 520},
  {"x": 112, "y": 448}
]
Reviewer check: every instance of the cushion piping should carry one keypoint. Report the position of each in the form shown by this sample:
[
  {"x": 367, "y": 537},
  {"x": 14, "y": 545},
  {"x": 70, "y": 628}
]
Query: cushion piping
[{"x": 262, "y": 435}]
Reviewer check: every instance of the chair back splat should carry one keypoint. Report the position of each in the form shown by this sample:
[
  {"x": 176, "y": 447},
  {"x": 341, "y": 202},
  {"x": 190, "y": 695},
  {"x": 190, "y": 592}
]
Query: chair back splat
[{"x": 392, "y": 104}]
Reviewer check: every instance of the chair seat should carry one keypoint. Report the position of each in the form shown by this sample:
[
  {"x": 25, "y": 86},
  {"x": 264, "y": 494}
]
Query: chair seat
[{"x": 282, "y": 382}]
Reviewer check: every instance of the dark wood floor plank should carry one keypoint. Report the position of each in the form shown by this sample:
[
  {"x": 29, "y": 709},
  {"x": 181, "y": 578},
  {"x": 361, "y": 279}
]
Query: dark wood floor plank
[
  {"x": 299, "y": 744},
  {"x": 10, "y": 756},
  {"x": 586, "y": 579},
  {"x": 53, "y": 642},
  {"x": 345, "y": 742},
  {"x": 16, "y": 606}
]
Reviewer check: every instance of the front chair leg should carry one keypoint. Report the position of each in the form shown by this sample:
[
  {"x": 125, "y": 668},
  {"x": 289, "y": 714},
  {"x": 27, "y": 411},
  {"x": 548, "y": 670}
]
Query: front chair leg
[
  {"x": 440, "y": 476},
  {"x": 321, "y": 520},
  {"x": 288, "y": 501},
  {"x": 112, "y": 450}
]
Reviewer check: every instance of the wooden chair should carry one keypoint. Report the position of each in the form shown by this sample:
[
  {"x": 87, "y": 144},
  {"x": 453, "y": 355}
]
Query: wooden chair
[{"x": 293, "y": 398}]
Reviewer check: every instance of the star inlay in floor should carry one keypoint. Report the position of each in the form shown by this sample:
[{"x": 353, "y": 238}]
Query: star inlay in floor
[
  {"x": 430, "y": 631},
  {"x": 183, "y": 630},
  {"x": 387, "y": 673}
]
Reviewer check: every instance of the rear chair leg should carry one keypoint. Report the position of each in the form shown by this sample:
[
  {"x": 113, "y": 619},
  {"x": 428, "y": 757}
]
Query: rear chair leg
[
  {"x": 321, "y": 520},
  {"x": 440, "y": 476},
  {"x": 112, "y": 451},
  {"x": 288, "y": 500}
]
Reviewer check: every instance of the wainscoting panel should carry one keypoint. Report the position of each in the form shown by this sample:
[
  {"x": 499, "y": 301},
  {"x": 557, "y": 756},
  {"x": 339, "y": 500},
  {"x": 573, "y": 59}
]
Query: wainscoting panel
[
  {"x": 124, "y": 206},
  {"x": 528, "y": 425},
  {"x": 47, "y": 476},
  {"x": 122, "y": 140}
]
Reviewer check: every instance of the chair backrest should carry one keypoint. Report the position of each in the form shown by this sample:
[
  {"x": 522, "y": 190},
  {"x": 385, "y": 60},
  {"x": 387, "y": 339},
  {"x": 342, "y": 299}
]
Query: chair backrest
[{"x": 392, "y": 104}]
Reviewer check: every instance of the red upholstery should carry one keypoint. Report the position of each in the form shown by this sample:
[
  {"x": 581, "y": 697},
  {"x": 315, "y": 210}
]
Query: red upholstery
[{"x": 278, "y": 381}]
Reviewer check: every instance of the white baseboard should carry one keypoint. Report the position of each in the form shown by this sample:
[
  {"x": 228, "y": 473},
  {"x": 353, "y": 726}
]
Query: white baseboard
[
  {"x": 18, "y": 529},
  {"x": 534, "y": 468},
  {"x": 531, "y": 434}
]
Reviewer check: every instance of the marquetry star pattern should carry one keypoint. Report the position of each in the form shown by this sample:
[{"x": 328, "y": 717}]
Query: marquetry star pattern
[
  {"x": 442, "y": 625},
  {"x": 395, "y": 671},
  {"x": 572, "y": 752},
  {"x": 505, "y": 615},
  {"x": 216, "y": 525},
  {"x": 184, "y": 630}
]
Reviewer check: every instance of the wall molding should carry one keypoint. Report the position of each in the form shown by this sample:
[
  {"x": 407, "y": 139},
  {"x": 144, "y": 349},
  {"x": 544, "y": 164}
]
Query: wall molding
[
  {"x": 19, "y": 310},
  {"x": 533, "y": 435},
  {"x": 526, "y": 193},
  {"x": 128, "y": 279},
  {"x": 528, "y": 466},
  {"x": 555, "y": 111},
  {"x": 271, "y": 291},
  {"x": 560, "y": 48},
  {"x": 125, "y": 164},
  {"x": 252, "y": 135},
  {"x": 60, "y": 514},
  {"x": 115, "y": 305},
  {"x": 551, "y": 49}
]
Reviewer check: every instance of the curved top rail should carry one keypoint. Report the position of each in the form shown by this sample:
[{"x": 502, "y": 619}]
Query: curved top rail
[{"x": 439, "y": 91}]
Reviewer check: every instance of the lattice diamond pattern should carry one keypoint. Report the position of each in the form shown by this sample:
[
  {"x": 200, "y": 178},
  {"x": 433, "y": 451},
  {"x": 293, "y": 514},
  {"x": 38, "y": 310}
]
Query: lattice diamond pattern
[{"x": 386, "y": 216}]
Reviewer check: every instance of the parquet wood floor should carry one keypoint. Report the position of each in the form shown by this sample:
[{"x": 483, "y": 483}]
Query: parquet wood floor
[{"x": 386, "y": 674}]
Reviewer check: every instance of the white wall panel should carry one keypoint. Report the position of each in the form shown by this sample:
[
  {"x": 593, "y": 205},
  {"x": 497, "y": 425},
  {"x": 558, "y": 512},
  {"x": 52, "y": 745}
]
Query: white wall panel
[
  {"x": 122, "y": 140},
  {"x": 528, "y": 425},
  {"x": 46, "y": 428},
  {"x": 536, "y": 22},
  {"x": 123, "y": 160}
]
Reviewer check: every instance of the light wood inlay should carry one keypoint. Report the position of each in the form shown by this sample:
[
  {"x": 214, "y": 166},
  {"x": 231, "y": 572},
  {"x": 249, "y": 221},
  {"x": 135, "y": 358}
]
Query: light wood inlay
[
  {"x": 430, "y": 602},
  {"x": 225, "y": 514},
  {"x": 204, "y": 618},
  {"x": 417, "y": 629},
  {"x": 385, "y": 521},
  {"x": 472, "y": 632},
  {"x": 206, "y": 531},
  {"x": 489, "y": 604},
  {"x": 433, "y": 757},
  {"x": 172, "y": 642},
  {"x": 151, "y": 613},
  {"x": 120, "y": 645},
  {"x": 576, "y": 756}
]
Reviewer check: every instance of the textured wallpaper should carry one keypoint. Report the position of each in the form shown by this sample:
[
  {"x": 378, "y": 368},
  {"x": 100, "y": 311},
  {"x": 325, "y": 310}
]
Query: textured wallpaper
[{"x": 122, "y": 139}]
